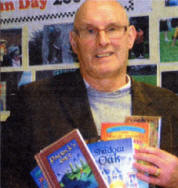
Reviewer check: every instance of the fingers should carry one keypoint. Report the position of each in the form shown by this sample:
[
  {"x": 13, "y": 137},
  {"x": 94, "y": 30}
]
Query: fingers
[
  {"x": 150, "y": 158},
  {"x": 148, "y": 169},
  {"x": 159, "y": 167},
  {"x": 152, "y": 150},
  {"x": 147, "y": 172},
  {"x": 150, "y": 179}
]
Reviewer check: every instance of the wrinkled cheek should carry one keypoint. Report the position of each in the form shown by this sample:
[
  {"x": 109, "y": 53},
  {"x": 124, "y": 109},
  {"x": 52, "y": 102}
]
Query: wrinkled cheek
[{"x": 122, "y": 56}]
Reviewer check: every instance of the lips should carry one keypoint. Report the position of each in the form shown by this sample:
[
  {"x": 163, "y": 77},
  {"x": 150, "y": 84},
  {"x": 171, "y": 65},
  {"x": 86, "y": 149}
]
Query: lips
[{"x": 102, "y": 55}]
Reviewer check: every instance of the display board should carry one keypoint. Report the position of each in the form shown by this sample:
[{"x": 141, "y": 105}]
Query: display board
[{"x": 34, "y": 42}]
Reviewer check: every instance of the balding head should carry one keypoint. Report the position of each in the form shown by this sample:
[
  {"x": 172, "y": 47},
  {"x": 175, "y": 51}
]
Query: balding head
[{"x": 89, "y": 5}]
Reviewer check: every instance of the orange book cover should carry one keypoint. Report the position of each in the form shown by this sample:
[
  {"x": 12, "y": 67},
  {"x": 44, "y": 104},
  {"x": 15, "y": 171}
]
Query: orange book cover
[{"x": 138, "y": 131}]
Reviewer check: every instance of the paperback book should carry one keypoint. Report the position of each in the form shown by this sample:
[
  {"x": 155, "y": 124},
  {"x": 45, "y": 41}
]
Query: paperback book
[
  {"x": 155, "y": 127},
  {"x": 39, "y": 178},
  {"x": 115, "y": 159},
  {"x": 2, "y": 96},
  {"x": 69, "y": 163},
  {"x": 138, "y": 131}
]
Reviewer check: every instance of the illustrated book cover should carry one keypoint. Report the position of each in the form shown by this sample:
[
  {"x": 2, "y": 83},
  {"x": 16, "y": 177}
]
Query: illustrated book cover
[
  {"x": 39, "y": 178},
  {"x": 138, "y": 131},
  {"x": 155, "y": 127},
  {"x": 3, "y": 96},
  {"x": 69, "y": 163},
  {"x": 115, "y": 160}
]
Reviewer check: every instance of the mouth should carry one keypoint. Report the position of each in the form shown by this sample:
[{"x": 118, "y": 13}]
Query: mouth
[{"x": 102, "y": 55}]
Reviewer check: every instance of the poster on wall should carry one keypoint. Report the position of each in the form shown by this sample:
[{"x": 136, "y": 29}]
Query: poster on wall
[
  {"x": 13, "y": 81},
  {"x": 50, "y": 73},
  {"x": 136, "y": 6},
  {"x": 51, "y": 43},
  {"x": 168, "y": 39},
  {"x": 170, "y": 80},
  {"x": 144, "y": 73},
  {"x": 171, "y": 3},
  {"x": 11, "y": 47},
  {"x": 48, "y": 23},
  {"x": 23, "y": 11},
  {"x": 140, "y": 48}
]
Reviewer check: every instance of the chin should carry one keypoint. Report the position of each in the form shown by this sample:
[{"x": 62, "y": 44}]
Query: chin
[{"x": 106, "y": 73}]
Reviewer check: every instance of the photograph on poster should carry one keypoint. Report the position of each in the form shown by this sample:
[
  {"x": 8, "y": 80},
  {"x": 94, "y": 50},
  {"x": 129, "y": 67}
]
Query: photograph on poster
[
  {"x": 52, "y": 45},
  {"x": 10, "y": 47},
  {"x": 49, "y": 73},
  {"x": 168, "y": 39},
  {"x": 140, "y": 49},
  {"x": 171, "y": 3},
  {"x": 13, "y": 81},
  {"x": 144, "y": 73},
  {"x": 170, "y": 80}
]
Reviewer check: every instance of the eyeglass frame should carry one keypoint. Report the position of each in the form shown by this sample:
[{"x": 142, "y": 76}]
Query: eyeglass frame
[{"x": 125, "y": 27}]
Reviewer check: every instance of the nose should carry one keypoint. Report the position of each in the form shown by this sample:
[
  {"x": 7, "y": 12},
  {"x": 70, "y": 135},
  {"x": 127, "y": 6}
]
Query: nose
[{"x": 102, "y": 38}]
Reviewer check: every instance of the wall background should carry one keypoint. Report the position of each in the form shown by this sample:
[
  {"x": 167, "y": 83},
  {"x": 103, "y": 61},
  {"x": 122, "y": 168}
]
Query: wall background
[{"x": 36, "y": 33}]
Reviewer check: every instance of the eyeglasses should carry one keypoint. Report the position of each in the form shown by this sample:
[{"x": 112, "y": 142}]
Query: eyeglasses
[{"x": 112, "y": 32}]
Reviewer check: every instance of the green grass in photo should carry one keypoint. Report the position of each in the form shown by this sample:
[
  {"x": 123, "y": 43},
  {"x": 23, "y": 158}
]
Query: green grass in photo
[
  {"x": 168, "y": 53},
  {"x": 148, "y": 79}
]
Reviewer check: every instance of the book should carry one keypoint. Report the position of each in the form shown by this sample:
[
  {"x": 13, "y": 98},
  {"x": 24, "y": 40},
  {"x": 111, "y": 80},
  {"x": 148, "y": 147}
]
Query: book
[
  {"x": 155, "y": 127},
  {"x": 2, "y": 96},
  {"x": 69, "y": 163},
  {"x": 138, "y": 131},
  {"x": 39, "y": 178},
  {"x": 115, "y": 159}
]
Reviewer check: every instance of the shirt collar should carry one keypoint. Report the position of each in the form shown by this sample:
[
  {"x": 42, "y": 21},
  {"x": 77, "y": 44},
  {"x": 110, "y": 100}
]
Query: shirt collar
[{"x": 126, "y": 86}]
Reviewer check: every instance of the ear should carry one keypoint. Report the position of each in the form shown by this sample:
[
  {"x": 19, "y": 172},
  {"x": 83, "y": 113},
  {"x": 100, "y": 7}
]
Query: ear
[
  {"x": 131, "y": 36},
  {"x": 73, "y": 41}
]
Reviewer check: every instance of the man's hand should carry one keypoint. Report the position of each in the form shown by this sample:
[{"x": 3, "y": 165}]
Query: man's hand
[{"x": 162, "y": 169}]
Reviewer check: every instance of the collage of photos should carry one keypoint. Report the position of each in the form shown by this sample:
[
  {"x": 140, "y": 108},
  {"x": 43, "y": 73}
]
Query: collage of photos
[{"x": 48, "y": 44}]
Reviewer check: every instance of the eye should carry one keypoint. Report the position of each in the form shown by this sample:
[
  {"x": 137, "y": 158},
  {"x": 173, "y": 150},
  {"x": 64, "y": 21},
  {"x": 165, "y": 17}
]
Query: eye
[
  {"x": 111, "y": 29},
  {"x": 91, "y": 30}
]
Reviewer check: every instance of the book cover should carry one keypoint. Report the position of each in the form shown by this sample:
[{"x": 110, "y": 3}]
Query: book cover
[
  {"x": 115, "y": 159},
  {"x": 39, "y": 178},
  {"x": 138, "y": 131},
  {"x": 2, "y": 96},
  {"x": 155, "y": 127},
  {"x": 69, "y": 163}
]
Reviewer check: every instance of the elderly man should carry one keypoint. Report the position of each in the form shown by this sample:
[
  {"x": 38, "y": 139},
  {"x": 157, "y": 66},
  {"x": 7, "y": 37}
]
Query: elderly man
[{"x": 101, "y": 91}]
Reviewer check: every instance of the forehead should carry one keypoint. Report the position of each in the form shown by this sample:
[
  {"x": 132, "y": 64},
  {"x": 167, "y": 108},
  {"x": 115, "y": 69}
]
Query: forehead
[{"x": 101, "y": 12}]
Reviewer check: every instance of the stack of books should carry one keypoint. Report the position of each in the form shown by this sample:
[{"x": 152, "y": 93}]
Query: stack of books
[{"x": 70, "y": 162}]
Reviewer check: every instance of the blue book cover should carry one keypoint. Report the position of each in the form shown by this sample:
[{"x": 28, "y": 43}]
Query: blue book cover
[
  {"x": 38, "y": 177},
  {"x": 71, "y": 167},
  {"x": 115, "y": 160}
]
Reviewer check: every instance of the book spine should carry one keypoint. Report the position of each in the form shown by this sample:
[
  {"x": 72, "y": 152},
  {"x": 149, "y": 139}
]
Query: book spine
[{"x": 102, "y": 184}]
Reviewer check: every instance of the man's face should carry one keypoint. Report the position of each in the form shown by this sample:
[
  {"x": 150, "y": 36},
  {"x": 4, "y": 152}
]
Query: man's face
[{"x": 102, "y": 56}]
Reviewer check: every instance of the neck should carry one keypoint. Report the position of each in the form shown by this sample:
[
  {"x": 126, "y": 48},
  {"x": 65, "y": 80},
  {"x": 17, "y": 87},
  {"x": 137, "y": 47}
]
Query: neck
[{"x": 107, "y": 84}]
